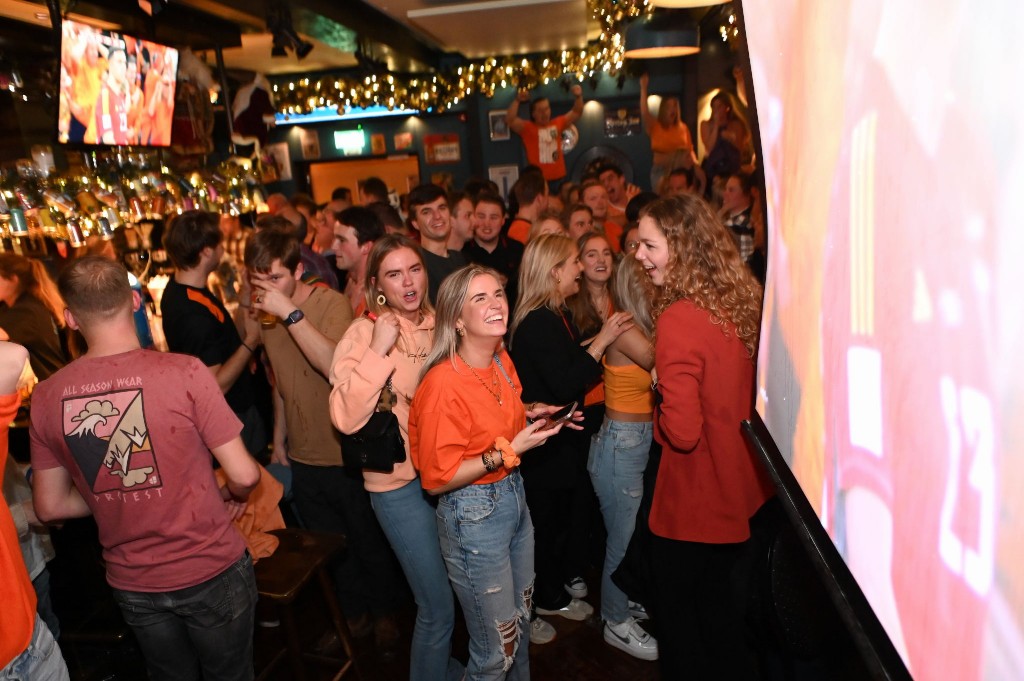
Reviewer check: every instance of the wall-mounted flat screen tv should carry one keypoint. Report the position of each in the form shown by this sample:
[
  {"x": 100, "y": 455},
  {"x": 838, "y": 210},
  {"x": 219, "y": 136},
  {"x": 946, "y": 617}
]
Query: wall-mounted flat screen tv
[{"x": 114, "y": 89}]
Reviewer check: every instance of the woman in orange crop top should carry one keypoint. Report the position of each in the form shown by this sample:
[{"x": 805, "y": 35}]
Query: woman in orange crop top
[
  {"x": 618, "y": 453},
  {"x": 467, "y": 429},
  {"x": 671, "y": 142}
]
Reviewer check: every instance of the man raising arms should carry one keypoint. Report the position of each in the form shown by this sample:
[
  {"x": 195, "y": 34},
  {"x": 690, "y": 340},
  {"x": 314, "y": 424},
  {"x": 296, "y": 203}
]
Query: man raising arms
[{"x": 542, "y": 135}]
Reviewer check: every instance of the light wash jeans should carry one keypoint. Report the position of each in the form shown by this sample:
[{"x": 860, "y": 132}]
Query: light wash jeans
[
  {"x": 618, "y": 456},
  {"x": 408, "y": 520},
  {"x": 41, "y": 661},
  {"x": 487, "y": 542}
]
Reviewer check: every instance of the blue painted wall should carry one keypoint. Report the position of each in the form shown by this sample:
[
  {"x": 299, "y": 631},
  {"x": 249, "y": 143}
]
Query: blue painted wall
[{"x": 670, "y": 77}]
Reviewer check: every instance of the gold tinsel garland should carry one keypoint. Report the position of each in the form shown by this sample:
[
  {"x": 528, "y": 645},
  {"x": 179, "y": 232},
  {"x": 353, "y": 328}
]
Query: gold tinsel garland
[{"x": 443, "y": 90}]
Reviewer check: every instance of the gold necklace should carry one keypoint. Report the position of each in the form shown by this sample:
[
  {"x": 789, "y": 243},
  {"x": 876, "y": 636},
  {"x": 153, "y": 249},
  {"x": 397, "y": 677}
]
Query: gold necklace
[{"x": 495, "y": 391}]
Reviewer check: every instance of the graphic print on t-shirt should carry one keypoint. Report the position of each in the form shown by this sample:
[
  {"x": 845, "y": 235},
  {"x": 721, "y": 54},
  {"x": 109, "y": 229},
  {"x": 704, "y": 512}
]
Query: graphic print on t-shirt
[
  {"x": 108, "y": 436},
  {"x": 550, "y": 143}
]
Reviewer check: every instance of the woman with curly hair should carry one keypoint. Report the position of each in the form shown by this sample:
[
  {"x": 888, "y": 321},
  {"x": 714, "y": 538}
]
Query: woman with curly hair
[{"x": 707, "y": 309}]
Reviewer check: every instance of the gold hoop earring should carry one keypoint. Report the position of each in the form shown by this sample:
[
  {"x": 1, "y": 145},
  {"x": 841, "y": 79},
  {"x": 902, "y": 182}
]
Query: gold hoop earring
[{"x": 381, "y": 299}]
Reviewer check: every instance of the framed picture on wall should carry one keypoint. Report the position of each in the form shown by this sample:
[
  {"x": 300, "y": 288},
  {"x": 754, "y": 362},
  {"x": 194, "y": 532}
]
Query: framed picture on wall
[
  {"x": 281, "y": 157},
  {"x": 504, "y": 176},
  {"x": 442, "y": 148},
  {"x": 498, "y": 125},
  {"x": 403, "y": 140},
  {"x": 622, "y": 122},
  {"x": 310, "y": 142}
]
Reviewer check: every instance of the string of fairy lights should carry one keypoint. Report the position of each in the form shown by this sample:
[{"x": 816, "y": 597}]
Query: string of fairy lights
[{"x": 443, "y": 90}]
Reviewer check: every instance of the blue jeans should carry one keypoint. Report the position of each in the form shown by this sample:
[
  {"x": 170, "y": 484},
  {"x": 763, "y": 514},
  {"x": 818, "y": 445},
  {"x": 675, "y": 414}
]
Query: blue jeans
[
  {"x": 44, "y": 604},
  {"x": 203, "y": 631},
  {"x": 618, "y": 455},
  {"x": 487, "y": 543},
  {"x": 407, "y": 518},
  {"x": 41, "y": 661}
]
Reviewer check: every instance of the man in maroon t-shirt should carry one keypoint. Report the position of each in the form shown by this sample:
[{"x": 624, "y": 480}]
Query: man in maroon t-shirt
[{"x": 125, "y": 435}]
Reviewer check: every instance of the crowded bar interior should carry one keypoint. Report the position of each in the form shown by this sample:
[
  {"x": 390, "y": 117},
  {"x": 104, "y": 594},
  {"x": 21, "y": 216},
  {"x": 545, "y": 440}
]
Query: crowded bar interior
[{"x": 552, "y": 339}]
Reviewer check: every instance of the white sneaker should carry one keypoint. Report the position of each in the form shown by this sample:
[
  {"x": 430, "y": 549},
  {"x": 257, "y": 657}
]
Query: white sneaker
[
  {"x": 638, "y": 611},
  {"x": 576, "y": 610},
  {"x": 541, "y": 632},
  {"x": 577, "y": 588},
  {"x": 630, "y": 637}
]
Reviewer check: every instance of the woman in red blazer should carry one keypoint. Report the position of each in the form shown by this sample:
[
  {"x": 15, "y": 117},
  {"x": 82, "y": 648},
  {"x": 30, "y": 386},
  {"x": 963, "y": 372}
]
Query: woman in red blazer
[{"x": 707, "y": 308}]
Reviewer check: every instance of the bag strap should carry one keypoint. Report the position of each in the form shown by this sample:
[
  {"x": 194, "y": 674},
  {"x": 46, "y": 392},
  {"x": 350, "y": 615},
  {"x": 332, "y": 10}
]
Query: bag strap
[{"x": 387, "y": 399}]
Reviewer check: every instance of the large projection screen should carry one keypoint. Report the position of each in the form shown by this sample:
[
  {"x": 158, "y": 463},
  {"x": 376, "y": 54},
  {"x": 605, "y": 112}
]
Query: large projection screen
[{"x": 891, "y": 364}]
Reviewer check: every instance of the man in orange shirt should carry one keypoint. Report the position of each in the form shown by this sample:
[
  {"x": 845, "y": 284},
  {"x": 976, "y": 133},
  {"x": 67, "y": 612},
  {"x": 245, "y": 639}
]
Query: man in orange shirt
[
  {"x": 111, "y": 112},
  {"x": 27, "y": 649},
  {"x": 531, "y": 192},
  {"x": 542, "y": 135}
]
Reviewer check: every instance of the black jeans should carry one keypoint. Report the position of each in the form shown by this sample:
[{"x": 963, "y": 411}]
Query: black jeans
[
  {"x": 550, "y": 510},
  {"x": 366, "y": 575},
  {"x": 699, "y": 611},
  {"x": 203, "y": 631}
]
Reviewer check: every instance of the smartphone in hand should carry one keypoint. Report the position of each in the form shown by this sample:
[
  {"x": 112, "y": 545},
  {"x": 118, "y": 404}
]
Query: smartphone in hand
[{"x": 563, "y": 414}]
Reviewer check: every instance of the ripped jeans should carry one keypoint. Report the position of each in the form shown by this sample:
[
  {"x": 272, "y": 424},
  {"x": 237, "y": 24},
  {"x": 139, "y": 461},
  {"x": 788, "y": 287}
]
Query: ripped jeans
[
  {"x": 487, "y": 542},
  {"x": 618, "y": 456}
]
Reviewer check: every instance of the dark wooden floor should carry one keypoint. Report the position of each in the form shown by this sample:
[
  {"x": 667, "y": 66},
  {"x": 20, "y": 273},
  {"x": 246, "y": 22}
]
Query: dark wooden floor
[
  {"x": 99, "y": 647},
  {"x": 578, "y": 652}
]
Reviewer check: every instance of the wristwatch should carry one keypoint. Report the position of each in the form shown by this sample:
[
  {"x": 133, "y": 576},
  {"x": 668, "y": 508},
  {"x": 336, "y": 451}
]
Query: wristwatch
[{"x": 295, "y": 317}]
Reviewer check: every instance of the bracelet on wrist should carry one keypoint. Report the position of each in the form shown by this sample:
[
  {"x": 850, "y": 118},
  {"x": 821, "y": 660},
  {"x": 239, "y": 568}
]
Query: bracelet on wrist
[
  {"x": 490, "y": 463},
  {"x": 508, "y": 455},
  {"x": 246, "y": 346}
]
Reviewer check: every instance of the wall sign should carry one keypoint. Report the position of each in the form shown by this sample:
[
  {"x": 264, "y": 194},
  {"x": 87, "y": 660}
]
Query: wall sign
[
  {"x": 622, "y": 122},
  {"x": 442, "y": 148}
]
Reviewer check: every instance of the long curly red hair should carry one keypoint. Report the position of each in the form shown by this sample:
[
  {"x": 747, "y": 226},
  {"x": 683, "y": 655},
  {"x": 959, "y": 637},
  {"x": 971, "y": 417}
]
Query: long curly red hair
[{"x": 705, "y": 268}]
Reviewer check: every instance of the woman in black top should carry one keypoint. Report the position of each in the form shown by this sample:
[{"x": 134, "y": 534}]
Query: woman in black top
[
  {"x": 32, "y": 312},
  {"x": 555, "y": 369}
]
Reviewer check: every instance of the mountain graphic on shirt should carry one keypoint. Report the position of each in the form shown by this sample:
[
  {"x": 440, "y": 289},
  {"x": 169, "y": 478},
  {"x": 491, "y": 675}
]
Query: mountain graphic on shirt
[{"x": 109, "y": 440}]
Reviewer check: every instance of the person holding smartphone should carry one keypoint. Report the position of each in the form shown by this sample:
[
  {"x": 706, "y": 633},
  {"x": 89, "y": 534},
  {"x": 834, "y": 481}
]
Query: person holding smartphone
[
  {"x": 467, "y": 430},
  {"x": 556, "y": 368}
]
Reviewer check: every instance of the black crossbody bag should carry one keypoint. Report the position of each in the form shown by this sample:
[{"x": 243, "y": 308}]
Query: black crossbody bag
[{"x": 378, "y": 445}]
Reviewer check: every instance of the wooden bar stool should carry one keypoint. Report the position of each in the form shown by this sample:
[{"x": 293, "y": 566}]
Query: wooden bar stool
[{"x": 280, "y": 578}]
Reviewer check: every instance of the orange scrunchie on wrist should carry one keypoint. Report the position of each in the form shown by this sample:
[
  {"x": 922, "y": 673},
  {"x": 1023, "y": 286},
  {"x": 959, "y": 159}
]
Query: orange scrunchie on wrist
[{"x": 508, "y": 455}]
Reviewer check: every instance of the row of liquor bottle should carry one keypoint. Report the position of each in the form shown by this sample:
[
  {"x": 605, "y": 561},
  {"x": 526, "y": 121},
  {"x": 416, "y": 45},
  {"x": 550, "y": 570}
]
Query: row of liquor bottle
[{"x": 74, "y": 206}]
